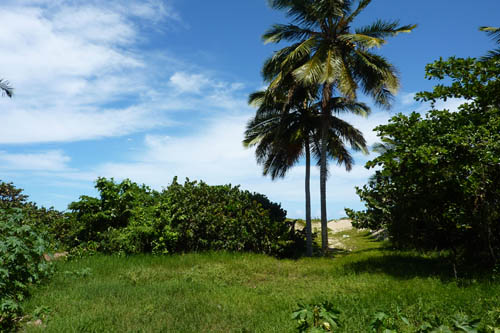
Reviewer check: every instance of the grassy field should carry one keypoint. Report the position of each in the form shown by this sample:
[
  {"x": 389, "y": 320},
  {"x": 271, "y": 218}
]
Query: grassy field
[{"x": 224, "y": 292}]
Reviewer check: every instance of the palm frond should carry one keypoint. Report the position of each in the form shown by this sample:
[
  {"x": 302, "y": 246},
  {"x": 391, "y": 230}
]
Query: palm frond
[
  {"x": 6, "y": 88},
  {"x": 288, "y": 32},
  {"x": 272, "y": 65},
  {"x": 256, "y": 98},
  {"x": 378, "y": 77},
  {"x": 363, "y": 41},
  {"x": 382, "y": 29},
  {"x": 347, "y": 133},
  {"x": 361, "y": 5},
  {"x": 346, "y": 83},
  {"x": 313, "y": 70},
  {"x": 298, "y": 55},
  {"x": 494, "y": 33},
  {"x": 342, "y": 104},
  {"x": 309, "y": 13}
]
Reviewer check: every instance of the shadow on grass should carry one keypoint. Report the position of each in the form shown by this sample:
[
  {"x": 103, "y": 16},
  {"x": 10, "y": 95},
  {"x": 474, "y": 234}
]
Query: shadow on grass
[{"x": 405, "y": 266}]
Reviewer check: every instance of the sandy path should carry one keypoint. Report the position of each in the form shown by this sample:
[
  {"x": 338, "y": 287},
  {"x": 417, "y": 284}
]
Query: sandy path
[{"x": 335, "y": 225}]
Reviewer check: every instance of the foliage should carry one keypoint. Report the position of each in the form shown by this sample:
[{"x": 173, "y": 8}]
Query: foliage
[
  {"x": 21, "y": 263},
  {"x": 390, "y": 323},
  {"x": 128, "y": 218},
  {"x": 321, "y": 317},
  {"x": 438, "y": 186},
  {"x": 122, "y": 219},
  {"x": 10, "y": 196},
  {"x": 41, "y": 219}
]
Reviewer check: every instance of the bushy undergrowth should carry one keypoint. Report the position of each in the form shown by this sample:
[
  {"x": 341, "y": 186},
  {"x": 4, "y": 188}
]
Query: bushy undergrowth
[
  {"x": 128, "y": 218},
  {"x": 21, "y": 262},
  {"x": 438, "y": 186}
]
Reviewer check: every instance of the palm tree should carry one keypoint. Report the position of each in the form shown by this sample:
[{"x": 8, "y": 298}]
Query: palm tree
[
  {"x": 339, "y": 59},
  {"x": 283, "y": 137},
  {"x": 495, "y": 35},
  {"x": 6, "y": 88}
]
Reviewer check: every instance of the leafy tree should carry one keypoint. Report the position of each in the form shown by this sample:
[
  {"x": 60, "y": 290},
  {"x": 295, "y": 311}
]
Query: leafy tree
[
  {"x": 339, "y": 60},
  {"x": 439, "y": 183},
  {"x": 10, "y": 196}
]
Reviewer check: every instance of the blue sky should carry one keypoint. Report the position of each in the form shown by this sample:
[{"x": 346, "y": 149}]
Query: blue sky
[{"x": 149, "y": 90}]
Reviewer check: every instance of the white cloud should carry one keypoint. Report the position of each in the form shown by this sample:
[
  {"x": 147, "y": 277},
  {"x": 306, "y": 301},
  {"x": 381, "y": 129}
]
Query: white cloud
[
  {"x": 189, "y": 83},
  {"x": 27, "y": 126},
  {"x": 408, "y": 98},
  {"x": 69, "y": 61},
  {"x": 53, "y": 160},
  {"x": 214, "y": 154},
  {"x": 451, "y": 104}
]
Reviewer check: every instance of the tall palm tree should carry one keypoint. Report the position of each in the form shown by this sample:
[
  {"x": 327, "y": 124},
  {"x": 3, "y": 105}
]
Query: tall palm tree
[
  {"x": 495, "y": 35},
  {"x": 6, "y": 88},
  {"x": 283, "y": 137},
  {"x": 339, "y": 60}
]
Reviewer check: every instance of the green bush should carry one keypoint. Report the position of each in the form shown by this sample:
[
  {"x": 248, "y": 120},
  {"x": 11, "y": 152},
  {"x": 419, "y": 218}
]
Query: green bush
[
  {"x": 21, "y": 263},
  {"x": 438, "y": 186},
  {"x": 47, "y": 221},
  {"x": 193, "y": 216}
]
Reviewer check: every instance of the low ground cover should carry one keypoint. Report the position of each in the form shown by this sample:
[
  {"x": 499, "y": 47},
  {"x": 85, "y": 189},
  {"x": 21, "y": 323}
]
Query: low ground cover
[{"x": 229, "y": 292}]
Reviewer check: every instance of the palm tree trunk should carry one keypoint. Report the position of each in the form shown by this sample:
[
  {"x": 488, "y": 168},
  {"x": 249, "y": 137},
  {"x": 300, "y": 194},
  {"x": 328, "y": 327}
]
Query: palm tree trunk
[
  {"x": 308, "y": 199},
  {"x": 323, "y": 171},
  {"x": 322, "y": 187}
]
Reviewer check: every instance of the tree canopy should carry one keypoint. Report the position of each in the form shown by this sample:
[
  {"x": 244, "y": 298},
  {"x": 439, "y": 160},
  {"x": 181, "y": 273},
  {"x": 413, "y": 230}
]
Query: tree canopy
[{"x": 438, "y": 186}]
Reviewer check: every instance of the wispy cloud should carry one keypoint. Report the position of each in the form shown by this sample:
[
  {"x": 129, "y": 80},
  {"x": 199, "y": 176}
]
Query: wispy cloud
[{"x": 53, "y": 160}]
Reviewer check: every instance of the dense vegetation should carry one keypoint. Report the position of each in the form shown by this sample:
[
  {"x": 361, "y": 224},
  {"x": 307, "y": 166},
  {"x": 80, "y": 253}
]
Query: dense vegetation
[
  {"x": 132, "y": 219},
  {"x": 128, "y": 218},
  {"x": 438, "y": 186},
  {"x": 21, "y": 262}
]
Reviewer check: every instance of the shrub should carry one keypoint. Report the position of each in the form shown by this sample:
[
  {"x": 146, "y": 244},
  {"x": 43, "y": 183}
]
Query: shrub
[
  {"x": 121, "y": 217},
  {"x": 21, "y": 262},
  {"x": 193, "y": 216},
  {"x": 47, "y": 221}
]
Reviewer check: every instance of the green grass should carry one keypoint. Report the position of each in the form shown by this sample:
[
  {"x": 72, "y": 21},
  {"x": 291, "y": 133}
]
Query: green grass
[{"x": 225, "y": 292}]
